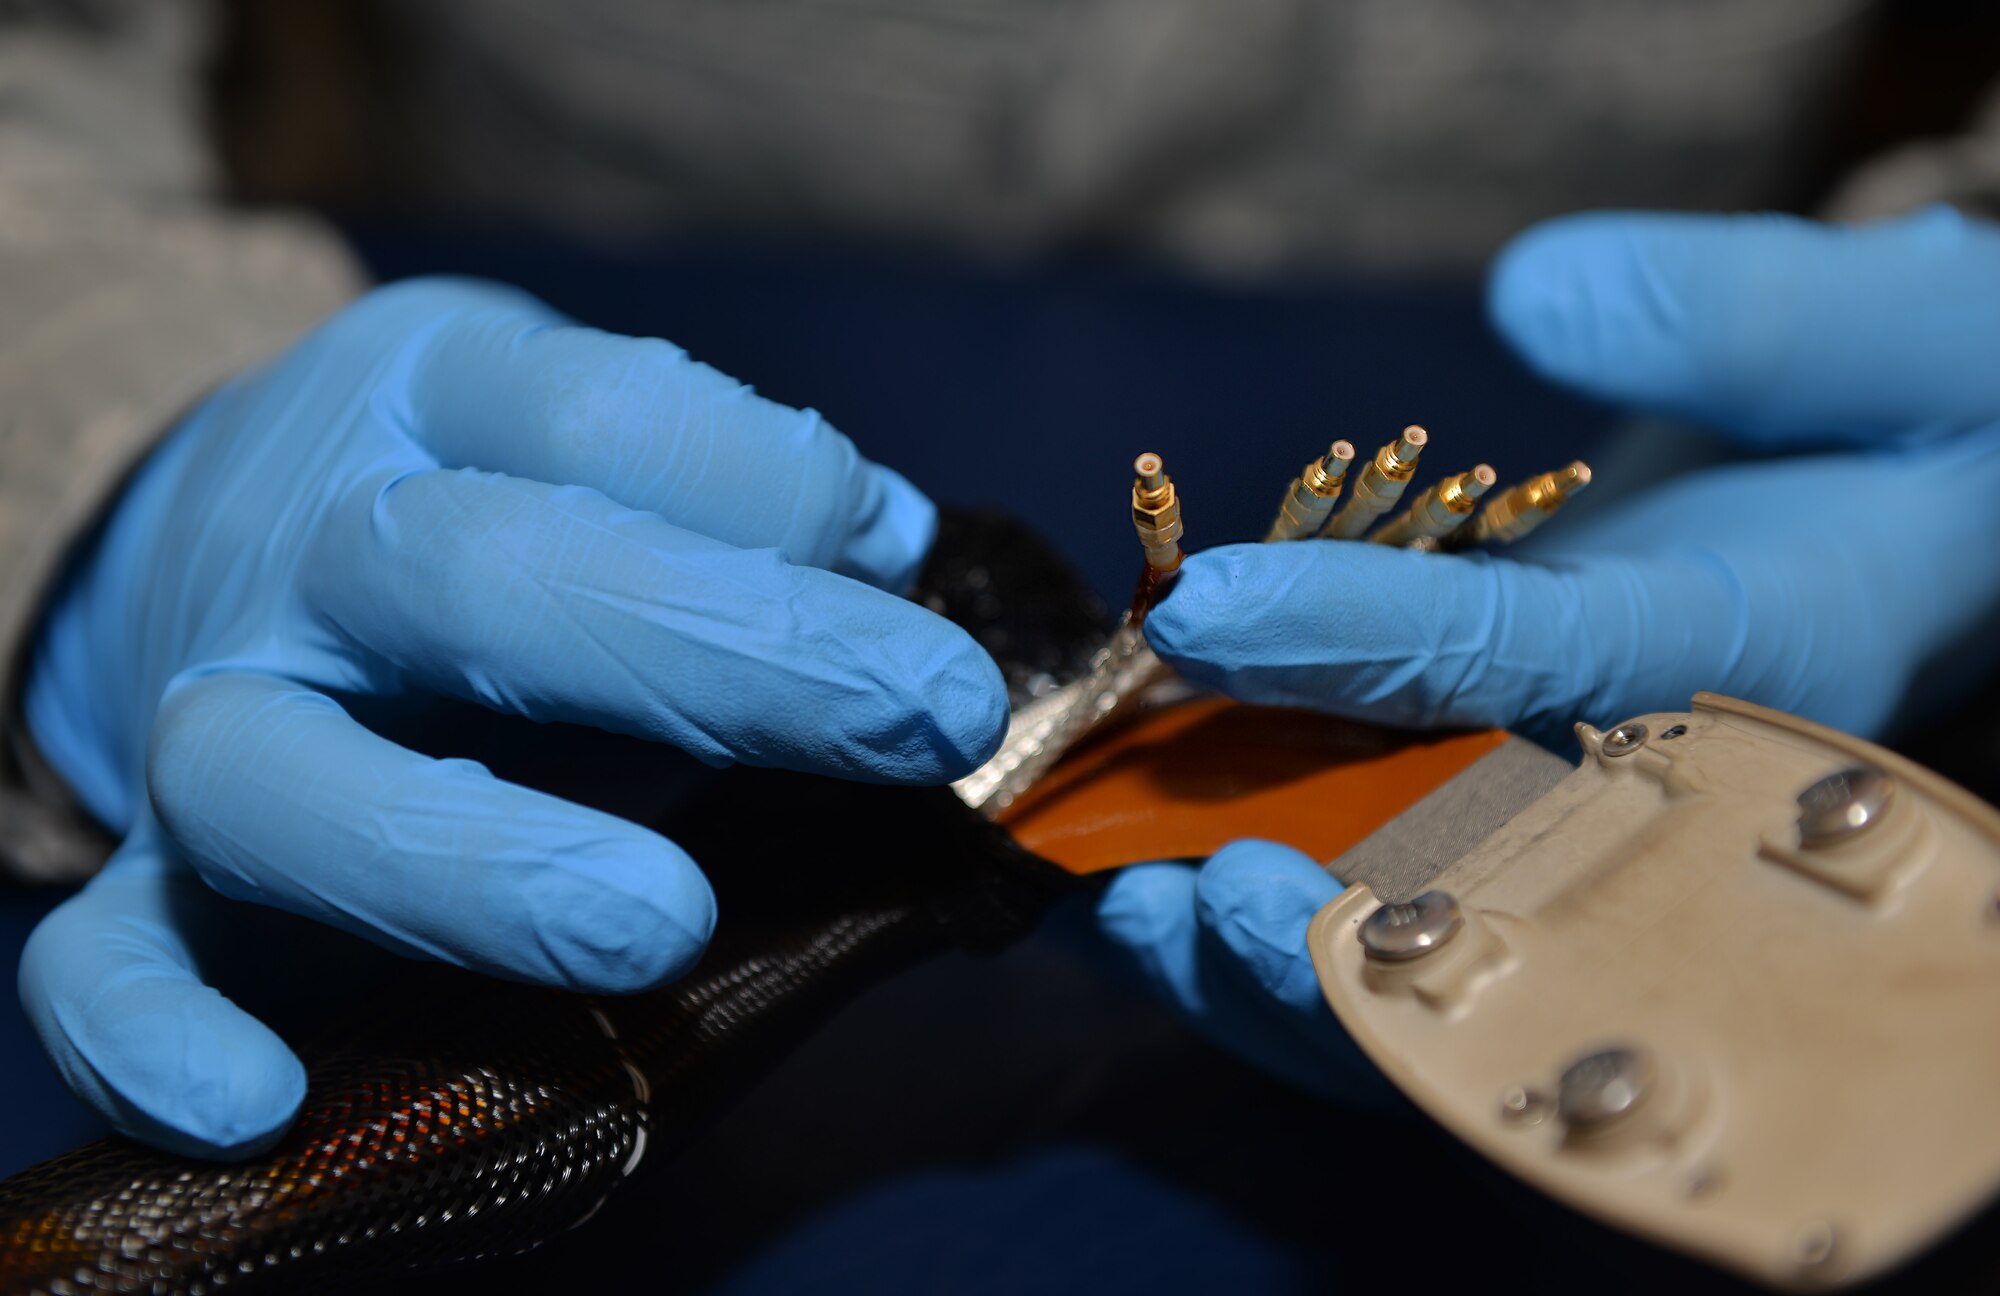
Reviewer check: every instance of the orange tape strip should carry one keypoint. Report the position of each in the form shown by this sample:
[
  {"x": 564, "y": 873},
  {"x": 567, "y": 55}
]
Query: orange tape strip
[{"x": 1185, "y": 781}]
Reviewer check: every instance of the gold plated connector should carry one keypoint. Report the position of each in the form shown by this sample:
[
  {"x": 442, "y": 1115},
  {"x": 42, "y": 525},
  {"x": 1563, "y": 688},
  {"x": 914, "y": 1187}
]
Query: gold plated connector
[
  {"x": 1520, "y": 509},
  {"x": 1379, "y": 485},
  {"x": 1312, "y": 494},
  {"x": 1156, "y": 513},
  {"x": 1439, "y": 511}
]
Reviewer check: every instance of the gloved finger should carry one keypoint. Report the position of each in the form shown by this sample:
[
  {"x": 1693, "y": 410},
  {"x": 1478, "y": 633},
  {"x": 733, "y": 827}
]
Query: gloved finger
[
  {"x": 1817, "y": 610},
  {"x": 111, "y": 982},
  {"x": 272, "y": 793},
  {"x": 558, "y": 604},
  {"x": 509, "y": 386},
  {"x": 1781, "y": 330},
  {"x": 1415, "y": 640},
  {"x": 1226, "y": 945}
]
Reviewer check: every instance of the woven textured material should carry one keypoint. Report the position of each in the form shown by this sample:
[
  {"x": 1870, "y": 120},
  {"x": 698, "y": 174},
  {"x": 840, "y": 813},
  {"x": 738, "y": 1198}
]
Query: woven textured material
[
  {"x": 433, "y": 1151},
  {"x": 457, "y": 1117}
]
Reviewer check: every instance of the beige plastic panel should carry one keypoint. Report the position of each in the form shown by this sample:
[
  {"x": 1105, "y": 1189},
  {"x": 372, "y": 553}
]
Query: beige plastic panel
[{"x": 1825, "y": 1026}]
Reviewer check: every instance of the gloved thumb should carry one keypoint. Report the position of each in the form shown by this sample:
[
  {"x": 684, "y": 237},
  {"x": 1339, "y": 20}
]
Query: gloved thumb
[
  {"x": 1782, "y": 331},
  {"x": 1226, "y": 946},
  {"x": 1701, "y": 585},
  {"x": 112, "y": 981}
]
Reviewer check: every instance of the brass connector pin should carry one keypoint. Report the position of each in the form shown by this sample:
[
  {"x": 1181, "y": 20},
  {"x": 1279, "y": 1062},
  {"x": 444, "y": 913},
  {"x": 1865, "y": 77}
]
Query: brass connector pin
[
  {"x": 1520, "y": 509},
  {"x": 1156, "y": 513},
  {"x": 1379, "y": 485},
  {"x": 1439, "y": 511},
  {"x": 1312, "y": 495},
  {"x": 1043, "y": 728}
]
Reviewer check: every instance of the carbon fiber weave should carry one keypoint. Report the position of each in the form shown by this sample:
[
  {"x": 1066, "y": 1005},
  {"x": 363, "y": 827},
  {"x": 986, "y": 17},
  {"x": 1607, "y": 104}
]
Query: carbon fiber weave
[{"x": 458, "y": 1117}]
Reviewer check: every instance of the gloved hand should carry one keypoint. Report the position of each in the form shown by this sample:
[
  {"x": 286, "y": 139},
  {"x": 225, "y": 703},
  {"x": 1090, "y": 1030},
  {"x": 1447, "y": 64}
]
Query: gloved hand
[
  {"x": 1830, "y": 584},
  {"x": 1225, "y": 944},
  {"x": 450, "y": 490}
]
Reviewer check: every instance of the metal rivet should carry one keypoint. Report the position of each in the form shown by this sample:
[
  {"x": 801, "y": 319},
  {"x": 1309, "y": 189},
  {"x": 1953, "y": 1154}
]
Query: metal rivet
[
  {"x": 1521, "y": 1105},
  {"x": 1603, "y": 1087},
  {"x": 1625, "y": 739},
  {"x": 1676, "y": 731},
  {"x": 1843, "y": 804},
  {"x": 1396, "y": 932},
  {"x": 1817, "y": 1245}
]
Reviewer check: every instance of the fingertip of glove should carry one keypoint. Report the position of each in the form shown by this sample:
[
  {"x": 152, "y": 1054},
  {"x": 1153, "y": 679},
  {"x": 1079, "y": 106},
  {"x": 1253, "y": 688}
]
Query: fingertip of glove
[
  {"x": 855, "y": 682},
  {"x": 1239, "y": 608},
  {"x": 1145, "y": 905},
  {"x": 1205, "y": 596},
  {"x": 1259, "y": 895},
  {"x": 1684, "y": 313},
  {"x": 977, "y": 722},
  {"x": 246, "y": 1120},
  {"x": 619, "y": 916},
  {"x": 892, "y": 539},
  {"x": 1256, "y": 885},
  {"x": 212, "y": 1084},
  {"x": 959, "y": 699},
  {"x": 162, "y": 1057},
  {"x": 1548, "y": 288}
]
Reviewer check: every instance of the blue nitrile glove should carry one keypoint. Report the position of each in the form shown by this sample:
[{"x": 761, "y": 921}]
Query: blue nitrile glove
[
  {"x": 1226, "y": 945},
  {"x": 1833, "y": 583},
  {"x": 450, "y": 490}
]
